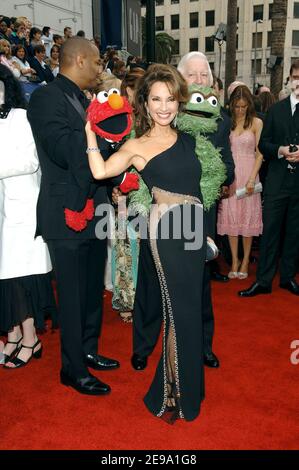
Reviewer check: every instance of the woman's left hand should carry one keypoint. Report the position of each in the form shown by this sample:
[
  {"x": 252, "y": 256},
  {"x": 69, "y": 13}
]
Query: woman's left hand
[{"x": 250, "y": 186}]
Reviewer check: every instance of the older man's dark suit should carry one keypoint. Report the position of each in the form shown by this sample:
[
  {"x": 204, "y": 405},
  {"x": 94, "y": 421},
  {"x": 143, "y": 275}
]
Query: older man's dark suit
[
  {"x": 147, "y": 307},
  {"x": 78, "y": 257},
  {"x": 281, "y": 197}
]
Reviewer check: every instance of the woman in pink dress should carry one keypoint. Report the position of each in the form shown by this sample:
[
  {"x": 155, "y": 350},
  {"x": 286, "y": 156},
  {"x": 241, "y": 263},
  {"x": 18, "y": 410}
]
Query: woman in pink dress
[{"x": 242, "y": 216}]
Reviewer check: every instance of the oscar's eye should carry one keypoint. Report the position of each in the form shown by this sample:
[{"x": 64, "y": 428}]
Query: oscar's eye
[
  {"x": 102, "y": 97},
  {"x": 113, "y": 91},
  {"x": 196, "y": 98},
  {"x": 213, "y": 101}
]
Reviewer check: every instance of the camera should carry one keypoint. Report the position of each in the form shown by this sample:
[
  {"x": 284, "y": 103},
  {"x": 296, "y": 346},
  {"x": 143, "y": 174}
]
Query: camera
[{"x": 293, "y": 148}]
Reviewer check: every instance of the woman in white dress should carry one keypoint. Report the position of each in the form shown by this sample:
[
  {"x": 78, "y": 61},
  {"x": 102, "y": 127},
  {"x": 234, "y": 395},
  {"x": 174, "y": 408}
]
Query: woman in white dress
[{"x": 25, "y": 286}]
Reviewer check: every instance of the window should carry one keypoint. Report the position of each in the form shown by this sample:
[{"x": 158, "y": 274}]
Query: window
[
  {"x": 159, "y": 2},
  {"x": 296, "y": 9},
  {"x": 194, "y": 20},
  {"x": 193, "y": 44},
  {"x": 295, "y": 38},
  {"x": 210, "y": 18},
  {"x": 175, "y": 1},
  {"x": 175, "y": 22},
  {"x": 212, "y": 65},
  {"x": 159, "y": 23},
  {"x": 210, "y": 44},
  {"x": 259, "y": 40},
  {"x": 237, "y": 71},
  {"x": 258, "y": 66},
  {"x": 176, "y": 48},
  {"x": 193, "y": 0},
  {"x": 269, "y": 38},
  {"x": 237, "y": 41},
  {"x": 270, "y": 11},
  {"x": 258, "y": 12},
  {"x": 238, "y": 12}
]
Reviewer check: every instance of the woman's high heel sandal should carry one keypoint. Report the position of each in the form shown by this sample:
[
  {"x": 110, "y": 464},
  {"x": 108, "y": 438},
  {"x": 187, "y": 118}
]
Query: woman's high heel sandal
[
  {"x": 8, "y": 357},
  {"x": 19, "y": 363}
]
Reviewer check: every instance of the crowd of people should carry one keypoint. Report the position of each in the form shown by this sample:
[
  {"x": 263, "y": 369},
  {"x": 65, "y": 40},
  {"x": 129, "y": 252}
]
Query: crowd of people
[{"x": 50, "y": 188}]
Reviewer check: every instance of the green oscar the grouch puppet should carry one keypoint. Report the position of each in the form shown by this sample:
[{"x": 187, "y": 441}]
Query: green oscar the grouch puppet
[{"x": 198, "y": 119}]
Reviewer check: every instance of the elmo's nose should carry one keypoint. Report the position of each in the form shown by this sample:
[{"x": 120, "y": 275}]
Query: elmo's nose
[{"x": 116, "y": 101}]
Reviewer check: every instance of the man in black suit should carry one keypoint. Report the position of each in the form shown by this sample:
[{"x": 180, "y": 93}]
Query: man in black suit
[
  {"x": 281, "y": 194},
  {"x": 146, "y": 326},
  {"x": 57, "y": 116}
]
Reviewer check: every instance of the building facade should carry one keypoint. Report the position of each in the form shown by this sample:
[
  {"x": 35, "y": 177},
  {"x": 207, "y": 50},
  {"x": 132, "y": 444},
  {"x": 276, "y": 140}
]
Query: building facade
[{"x": 193, "y": 24}]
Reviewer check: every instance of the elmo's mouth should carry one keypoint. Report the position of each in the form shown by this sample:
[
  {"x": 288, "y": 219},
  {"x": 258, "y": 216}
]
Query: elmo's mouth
[
  {"x": 204, "y": 114},
  {"x": 114, "y": 124}
]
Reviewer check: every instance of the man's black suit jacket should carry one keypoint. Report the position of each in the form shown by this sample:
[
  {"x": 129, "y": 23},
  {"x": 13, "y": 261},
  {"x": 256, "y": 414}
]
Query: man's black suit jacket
[
  {"x": 277, "y": 131},
  {"x": 220, "y": 139},
  {"x": 67, "y": 182}
]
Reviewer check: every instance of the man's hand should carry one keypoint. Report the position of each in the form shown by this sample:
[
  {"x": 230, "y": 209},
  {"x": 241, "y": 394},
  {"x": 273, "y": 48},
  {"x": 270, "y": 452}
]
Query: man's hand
[
  {"x": 224, "y": 192},
  {"x": 291, "y": 157}
]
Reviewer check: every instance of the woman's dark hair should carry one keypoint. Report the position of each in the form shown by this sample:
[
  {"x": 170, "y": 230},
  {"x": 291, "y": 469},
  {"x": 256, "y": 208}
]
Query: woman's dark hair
[
  {"x": 130, "y": 80},
  {"x": 13, "y": 96},
  {"x": 267, "y": 99},
  {"x": 32, "y": 33},
  {"x": 242, "y": 93},
  {"x": 18, "y": 48},
  {"x": 55, "y": 46},
  {"x": 157, "y": 73}
]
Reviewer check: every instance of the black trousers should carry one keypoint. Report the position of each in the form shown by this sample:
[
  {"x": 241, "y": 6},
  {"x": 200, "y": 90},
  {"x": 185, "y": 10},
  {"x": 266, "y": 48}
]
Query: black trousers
[
  {"x": 79, "y": 268},
  {"x": 148, "y": 306},
  {"x": 280, "y": 213}
]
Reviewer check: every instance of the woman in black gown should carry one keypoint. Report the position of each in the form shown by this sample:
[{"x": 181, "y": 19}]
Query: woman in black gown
[{"x": 168, "y": 164}]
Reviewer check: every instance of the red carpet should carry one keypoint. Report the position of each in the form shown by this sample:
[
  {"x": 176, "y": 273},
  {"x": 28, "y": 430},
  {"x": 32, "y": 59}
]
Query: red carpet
[{"x": 252, "y": 401}]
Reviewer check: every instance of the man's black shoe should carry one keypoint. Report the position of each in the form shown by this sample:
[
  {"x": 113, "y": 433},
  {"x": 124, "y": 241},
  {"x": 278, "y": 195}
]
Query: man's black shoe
[
  {"x": 210, "y": 360},
  {"x": 100, "y": 362},
  {"x": 216, "y": 276},
  {"x": 138, "y": 362},
  {"x": 255, "y": 289},
  {"x": 291, "y": 286},
  {"x": 89, "y": 385}
]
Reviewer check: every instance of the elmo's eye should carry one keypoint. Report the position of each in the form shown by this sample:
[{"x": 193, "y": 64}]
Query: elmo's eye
[
  {"x": 213, "y": 101},
  {"x": 102, "y": 97},
  {"x": 196, "y": 98},
  {"x": 113, "y": 91}
]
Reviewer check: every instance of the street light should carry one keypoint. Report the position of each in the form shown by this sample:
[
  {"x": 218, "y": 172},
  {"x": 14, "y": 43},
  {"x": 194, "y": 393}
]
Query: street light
[{"x": 255, "y": 47}]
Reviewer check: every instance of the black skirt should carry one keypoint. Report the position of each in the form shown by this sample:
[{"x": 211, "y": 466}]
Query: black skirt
[{"x": 27, "y": 297}]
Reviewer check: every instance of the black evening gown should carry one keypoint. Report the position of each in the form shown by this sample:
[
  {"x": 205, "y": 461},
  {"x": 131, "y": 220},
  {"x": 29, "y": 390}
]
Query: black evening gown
[{"x": 173, "y": 178}]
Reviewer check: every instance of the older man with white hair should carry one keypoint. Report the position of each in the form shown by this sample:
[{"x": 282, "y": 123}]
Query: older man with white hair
[{"x": 195, "y": 68}]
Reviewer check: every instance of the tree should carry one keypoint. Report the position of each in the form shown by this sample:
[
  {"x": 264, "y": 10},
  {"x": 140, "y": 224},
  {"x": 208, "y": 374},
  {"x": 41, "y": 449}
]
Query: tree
[
  {"x": 164, "y": 45},
  {"x": 164, "y": 48},
  {"x": 279, "y": 24},
  {"x": 231, "y": 40}
]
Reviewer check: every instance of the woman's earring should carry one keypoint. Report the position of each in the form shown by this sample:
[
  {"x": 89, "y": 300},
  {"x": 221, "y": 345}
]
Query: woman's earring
[{"x": 175, "y": 121}]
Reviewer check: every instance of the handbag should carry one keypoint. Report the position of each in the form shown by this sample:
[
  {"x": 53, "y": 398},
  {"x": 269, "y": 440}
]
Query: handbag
[
  {"x": 212, "y": 251},
  {"x": 242, "y": 192}
]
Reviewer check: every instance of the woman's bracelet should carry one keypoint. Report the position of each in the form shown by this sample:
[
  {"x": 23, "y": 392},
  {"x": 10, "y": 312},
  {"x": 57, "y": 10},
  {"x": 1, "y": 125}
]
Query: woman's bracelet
[{"x": 92, "y": 149}]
